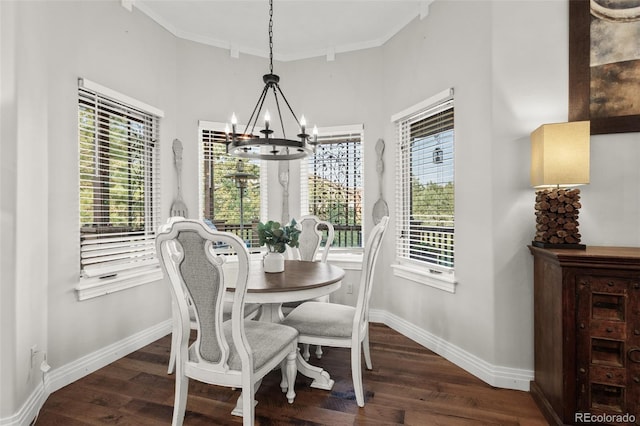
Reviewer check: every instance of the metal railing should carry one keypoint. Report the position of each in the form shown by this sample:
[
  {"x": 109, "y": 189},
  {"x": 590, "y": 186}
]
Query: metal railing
[{"x": 345, "y": 235}]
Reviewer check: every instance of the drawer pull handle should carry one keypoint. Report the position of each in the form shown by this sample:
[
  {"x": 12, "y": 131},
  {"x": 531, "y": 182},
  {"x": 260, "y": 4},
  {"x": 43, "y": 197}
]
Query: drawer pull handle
[
  {"x": 610, "y": 284},
  {"x": 634, "y": 355},
  {"x": 609, "y": 330},
  {"x": 636, "y": 379},
  {"x": 636, "y": 286},
  {"x": 609, "y": 375}
]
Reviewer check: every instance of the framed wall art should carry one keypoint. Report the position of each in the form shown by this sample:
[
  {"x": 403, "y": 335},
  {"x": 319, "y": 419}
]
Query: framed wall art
[{"x": 604, "y": 64}]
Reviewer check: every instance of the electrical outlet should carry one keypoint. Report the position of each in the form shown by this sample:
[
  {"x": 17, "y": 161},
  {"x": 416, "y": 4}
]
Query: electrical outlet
[{"x": 349, "y": 287}]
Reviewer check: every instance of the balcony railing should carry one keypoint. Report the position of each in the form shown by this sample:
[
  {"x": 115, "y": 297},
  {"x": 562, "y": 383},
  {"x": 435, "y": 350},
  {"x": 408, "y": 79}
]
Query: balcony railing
[
  {"x": 345, "y": 235},
  {"x": 432, "y": 244},
  {"x": 248, "y": 232}
]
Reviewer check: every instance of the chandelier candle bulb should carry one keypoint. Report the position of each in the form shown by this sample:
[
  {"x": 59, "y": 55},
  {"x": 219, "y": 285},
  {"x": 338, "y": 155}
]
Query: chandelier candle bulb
[
  {"x": 234, "y": 121},
  {"x": 315, "y": 134}
]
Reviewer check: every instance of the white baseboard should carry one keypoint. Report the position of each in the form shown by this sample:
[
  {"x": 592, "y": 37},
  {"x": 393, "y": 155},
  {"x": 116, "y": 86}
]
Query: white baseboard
[
  {"x": 69, "y": 373},
  {"x": 62, "y": 376},
  {"x": 29, "y": 409},
  {"x": 494, "y": 375}
]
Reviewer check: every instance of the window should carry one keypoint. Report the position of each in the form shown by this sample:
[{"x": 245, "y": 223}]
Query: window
[
  {"x": 119, "y": 190},
  {"x": 425, "y": 186},
  {"x": 334, "y": 183},
  {"x": 230, "y": 197}
]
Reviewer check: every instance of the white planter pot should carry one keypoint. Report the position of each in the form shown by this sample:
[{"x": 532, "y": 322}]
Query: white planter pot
[{"x": 273, "y": 262}]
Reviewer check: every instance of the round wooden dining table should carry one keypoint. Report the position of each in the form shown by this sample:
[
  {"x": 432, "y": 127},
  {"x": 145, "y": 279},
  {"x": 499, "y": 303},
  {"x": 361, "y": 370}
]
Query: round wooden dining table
[{"x": 301, "y": 280}]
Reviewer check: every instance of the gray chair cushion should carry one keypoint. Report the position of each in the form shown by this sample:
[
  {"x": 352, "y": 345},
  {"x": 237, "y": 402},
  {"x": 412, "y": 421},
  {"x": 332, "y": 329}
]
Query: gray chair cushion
[
  {"x": 265, "y": 339},
  {"x": 322, "y": 319},
  {"x": 203, "y": 281}
]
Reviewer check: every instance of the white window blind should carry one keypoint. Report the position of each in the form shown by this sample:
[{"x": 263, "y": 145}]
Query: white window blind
[
  {"x": 220, "y": 201},
  {"x": 332, "y": 184},
  {"x": 425, "y": 186},
  {"x": 119, "y": 187}
]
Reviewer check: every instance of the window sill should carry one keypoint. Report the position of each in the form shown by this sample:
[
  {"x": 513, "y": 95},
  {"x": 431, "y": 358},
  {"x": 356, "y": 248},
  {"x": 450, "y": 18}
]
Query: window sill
[
  {"x": 442, "y": 281},
  {"x": 88, "y": 288},
  {"x": 346, "y": 260}
]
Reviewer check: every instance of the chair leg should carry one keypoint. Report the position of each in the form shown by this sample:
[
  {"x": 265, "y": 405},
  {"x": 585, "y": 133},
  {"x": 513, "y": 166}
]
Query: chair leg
[
  {"x": 356, "y": 374},
  {"x": 172, "y": 356},
  {"x": 291, "y": 372},
  {"x": 174, "y": 338},
  {"x": 180, "y": 400},
  {"x": 367, "y": 352},
  {"x": 319, "y": 351},
  {"x": 305, "y": 351},
  {"x": 284, "y": 384},
  {"x": 248, "y": 408}
]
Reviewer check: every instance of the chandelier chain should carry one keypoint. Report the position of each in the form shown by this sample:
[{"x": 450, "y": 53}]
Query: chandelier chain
[{"x": 271, "y": 36}]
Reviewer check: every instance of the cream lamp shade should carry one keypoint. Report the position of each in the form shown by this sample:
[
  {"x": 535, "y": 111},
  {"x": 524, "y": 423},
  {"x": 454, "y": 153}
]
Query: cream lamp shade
[{"x": 560, "y": 154}]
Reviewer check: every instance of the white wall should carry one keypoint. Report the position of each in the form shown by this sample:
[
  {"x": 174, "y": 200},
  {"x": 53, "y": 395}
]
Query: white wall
[
  {"x": 530, "y": 86},
  {"x": 451, "y": 47},
  {"x": 509, "y": 77},
  {"x": 46, "y": 46},
  {"x": 24, "y": 253},
  {"x": 127, "y": 52}
]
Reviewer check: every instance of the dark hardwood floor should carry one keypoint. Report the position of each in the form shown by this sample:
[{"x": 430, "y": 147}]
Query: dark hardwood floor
[{"x": 408, "y": 385}]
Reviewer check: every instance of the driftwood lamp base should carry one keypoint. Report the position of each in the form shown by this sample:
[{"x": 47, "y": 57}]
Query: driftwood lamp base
[{"x": 557, "y": 219}]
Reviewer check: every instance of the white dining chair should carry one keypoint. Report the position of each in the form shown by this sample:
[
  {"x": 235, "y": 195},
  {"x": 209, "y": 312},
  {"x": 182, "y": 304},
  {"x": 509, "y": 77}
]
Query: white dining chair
[
  {"x": 310, "y": 241},
  {"x": 237, "y": 353},
  {"x": 332, "y": 324},
  {"x": 251, "y": 310}
]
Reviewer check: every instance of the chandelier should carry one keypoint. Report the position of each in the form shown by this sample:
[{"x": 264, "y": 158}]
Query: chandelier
[{"x": 266, "y": 146}]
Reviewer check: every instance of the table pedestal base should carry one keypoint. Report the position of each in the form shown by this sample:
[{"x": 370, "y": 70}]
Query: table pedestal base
[
  {"x": 321, "y": 379},
  {"x": 271, "y": 312}
]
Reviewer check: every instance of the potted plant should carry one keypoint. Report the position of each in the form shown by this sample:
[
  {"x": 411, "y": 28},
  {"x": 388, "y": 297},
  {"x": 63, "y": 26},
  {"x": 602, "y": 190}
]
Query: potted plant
[{"x": 276, "y": 238}]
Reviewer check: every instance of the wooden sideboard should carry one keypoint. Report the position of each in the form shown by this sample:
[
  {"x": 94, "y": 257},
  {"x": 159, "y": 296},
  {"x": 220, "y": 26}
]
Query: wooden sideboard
[{"x": 587, "y": 333}]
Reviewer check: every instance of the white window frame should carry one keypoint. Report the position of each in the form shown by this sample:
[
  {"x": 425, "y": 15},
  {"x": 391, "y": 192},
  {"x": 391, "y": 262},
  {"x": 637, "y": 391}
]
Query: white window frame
[
  {"x": 337, "y": 254},
  {"x": 432, "y": 275},
  {"x": 108, "y": 277},
  {"x": 216, "y": 126}
]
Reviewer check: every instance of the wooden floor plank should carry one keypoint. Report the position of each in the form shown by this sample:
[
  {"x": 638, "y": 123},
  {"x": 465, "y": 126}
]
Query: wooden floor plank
[{"x": 409, "y": 385}]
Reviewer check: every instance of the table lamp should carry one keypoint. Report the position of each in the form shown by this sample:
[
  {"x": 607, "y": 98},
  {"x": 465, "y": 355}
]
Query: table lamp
[{"x": 559, "y": 162}]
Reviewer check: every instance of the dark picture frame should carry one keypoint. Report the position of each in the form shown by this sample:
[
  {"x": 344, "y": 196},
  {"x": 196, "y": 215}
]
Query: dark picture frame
[{"x": 580, "y": 77}]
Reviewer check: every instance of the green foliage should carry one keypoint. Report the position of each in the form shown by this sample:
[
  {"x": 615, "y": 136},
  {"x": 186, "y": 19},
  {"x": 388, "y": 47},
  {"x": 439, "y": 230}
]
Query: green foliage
[
  {"x": 222, "y": 200},
  {"x": 113, "y": 193},
  {"x": 276, "y": 237},
  {"x": 431, "y": 199}
]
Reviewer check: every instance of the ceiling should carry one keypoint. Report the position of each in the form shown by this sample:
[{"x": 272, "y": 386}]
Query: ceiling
[{"x": 301, "y": 28}]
